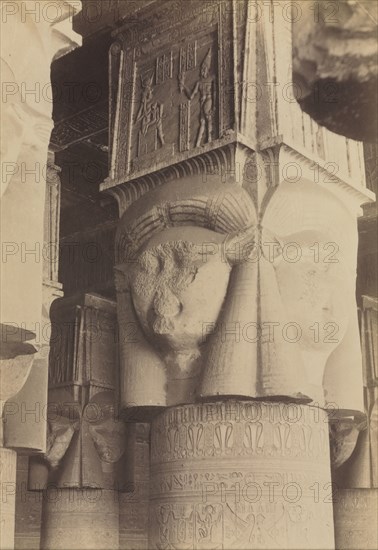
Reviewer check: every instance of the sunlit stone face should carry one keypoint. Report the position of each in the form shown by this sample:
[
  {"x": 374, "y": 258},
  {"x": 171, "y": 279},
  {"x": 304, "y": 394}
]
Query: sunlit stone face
[
  {"x": 314, "y": 269},
  {"x": 178, "y": 285},
  {"x": 314, "y": 280}
]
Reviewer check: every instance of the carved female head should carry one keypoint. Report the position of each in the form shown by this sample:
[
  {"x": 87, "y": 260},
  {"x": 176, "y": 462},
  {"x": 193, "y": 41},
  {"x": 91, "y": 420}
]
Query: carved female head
[
  {"x": 177, "y": 283},
  {"x": 170, "y": 252}
]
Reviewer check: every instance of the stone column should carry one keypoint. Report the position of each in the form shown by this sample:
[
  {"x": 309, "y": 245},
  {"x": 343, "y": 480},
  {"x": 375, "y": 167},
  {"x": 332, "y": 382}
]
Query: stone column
[
  {"x": 356, "y": 478},
  {"x": 26, "y": 128},
  {"x": 235, "y": 274},
  {"x": 25, "y": 414},
  {"x": 134, "y": 501},
  {"x": 8, "y": 460},
  {"x": 24, "y": 377},
  {"x": 80, "y": 518},
  {"x": 241, "y": 474},
  {"x": 31, "y": 41},
  {"x": 84, "y": 464}
]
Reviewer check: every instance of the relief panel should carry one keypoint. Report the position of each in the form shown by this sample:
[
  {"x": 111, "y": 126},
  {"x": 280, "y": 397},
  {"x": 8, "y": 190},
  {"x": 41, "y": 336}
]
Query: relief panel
[{"x": 167, "y": 97}]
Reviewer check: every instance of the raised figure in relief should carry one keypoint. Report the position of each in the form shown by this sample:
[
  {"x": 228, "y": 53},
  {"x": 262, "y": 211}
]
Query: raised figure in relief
[
  {"x": 205, "y": 87},
  {"x": 150, "y": 112}
]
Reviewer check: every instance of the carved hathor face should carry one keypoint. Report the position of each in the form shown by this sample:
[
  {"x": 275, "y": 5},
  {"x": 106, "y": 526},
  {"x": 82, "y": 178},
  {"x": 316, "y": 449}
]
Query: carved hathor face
[{"x": 178, "y": 285}]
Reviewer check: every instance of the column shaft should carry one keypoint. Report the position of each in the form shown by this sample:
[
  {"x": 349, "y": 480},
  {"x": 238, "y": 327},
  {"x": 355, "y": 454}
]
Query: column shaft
[
  {"x": 79, "y": 518},
  {"x": 8, "y": 459},
  {"x": 241, "y": 475}
]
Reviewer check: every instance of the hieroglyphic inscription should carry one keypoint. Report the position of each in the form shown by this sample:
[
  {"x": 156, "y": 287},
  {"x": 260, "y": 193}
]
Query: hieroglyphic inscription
[
  {"x": 240, "y": 475},
  {"x": 188, "y": 57},
  {"x": 185, "y": 126},
  {"x": 164, "y": 67},
  {"x": 240, "y": 429}
]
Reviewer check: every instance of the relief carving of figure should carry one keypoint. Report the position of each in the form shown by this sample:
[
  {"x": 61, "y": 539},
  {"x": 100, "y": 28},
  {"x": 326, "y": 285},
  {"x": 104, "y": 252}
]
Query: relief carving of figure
[
  {"x": 205, "y": 87},
  {"x": 150, "y": 113}
]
